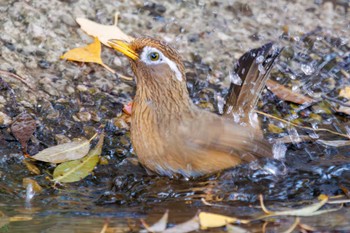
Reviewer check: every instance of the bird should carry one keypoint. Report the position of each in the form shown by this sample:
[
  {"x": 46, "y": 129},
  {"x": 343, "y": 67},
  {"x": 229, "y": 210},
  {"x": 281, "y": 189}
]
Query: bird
[{"x": 173, "y": 137}]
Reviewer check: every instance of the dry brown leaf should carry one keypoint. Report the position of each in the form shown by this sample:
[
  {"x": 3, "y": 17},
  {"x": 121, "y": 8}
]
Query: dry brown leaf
[
  {"x": 103, "y": 32},
  {"x": 89, "y": 53},
  {"x": 287, "y": 94},
  {"x": 64, "y": 152}
]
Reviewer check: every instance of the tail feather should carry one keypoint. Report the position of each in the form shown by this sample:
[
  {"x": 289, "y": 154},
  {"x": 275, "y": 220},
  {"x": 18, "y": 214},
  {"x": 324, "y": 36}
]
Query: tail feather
[{"x": 253, "y": 68}]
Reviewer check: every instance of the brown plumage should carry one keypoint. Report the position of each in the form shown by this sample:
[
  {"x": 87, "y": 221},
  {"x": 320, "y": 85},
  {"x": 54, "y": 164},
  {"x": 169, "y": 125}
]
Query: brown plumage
[{"x": 169, "y": 133}]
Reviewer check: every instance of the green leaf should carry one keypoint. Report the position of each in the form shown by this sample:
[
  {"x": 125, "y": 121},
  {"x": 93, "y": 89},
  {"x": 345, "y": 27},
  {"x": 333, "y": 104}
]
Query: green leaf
[{"x": 76, "y": 170}]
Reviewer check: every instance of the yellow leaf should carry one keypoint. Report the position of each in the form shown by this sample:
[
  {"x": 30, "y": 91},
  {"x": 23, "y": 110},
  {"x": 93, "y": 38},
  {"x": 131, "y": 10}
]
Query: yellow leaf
[
  {"x": 208, "y": 220},
  {"x": 310, "y": 210},
  {"x": 103, "y": 32},
  {"x": 345, "y": 92},
  {"x": 89, "y": 53},
  {"x": 36, "y": 187}
]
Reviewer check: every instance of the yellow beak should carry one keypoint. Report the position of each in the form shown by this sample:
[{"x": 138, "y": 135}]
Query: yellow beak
[{"x": 124, "y": 48}]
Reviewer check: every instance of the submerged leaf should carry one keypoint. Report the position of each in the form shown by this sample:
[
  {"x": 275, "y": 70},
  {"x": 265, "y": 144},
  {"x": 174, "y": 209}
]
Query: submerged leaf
[
  {"x": 235, "y": 229},
  {"x": 158, "y": 226},
  {"x": 188, "y": 226},
  {"x": 23, "y": 128},
  {"x": 36, "y": 187},
  {"x": 309, "y": 210},
  {"x": 31, "y": 167},
  {"x": 286, "y": 94},
  {"x": 76, "y": 170},
  {"x": 209, "y": 220},
  {"x": 335, "y": 143},
  {"x": 64, "y": 152},
  {"x": 89, "y": 53}
]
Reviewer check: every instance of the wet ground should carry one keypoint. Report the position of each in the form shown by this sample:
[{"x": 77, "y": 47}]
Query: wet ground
[{"x": 70, "y": 100}]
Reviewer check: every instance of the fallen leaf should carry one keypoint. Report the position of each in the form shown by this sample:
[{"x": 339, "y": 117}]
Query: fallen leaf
[
  {"x": 307, "y": 227},
  {"x": 345, "y": 92},
  {"x": 209, "y": 220},
  {"x": 76, "y": 170},
  {"x": 89, "y": 53},
  {"x": 344, "y": 109},
  {"x": 293, "y": 226},
  {"x": 159, "y": 226},
  {"x": 310, "y": 210},
  {"x": 23, "y": 128},
  {"x": 335, "y": 143},
  {"x": 20, "y": 218},
  {"x": 188, "y": 226},
  {"x": 31, "y": 167},
  {"x": 36, "y": 187},
  {"x": 287, "y": 94},
  {"x": 64, "y": 152},
  {"x": 4, "y": 220},
  {"x": 235, "y": 229},
  {"x": 103, "y": 32}
]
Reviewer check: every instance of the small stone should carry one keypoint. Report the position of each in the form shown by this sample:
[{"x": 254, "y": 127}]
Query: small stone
[
  {"x": 60, "y": 139},
  {"x": 95, "y": 117},
  {"x": 121, "y": 123},
  {"x": 2, "y": 100},
  {"x": 82, "y": 88},
  {"x": 5, "y": 119},
  {"x": 70, "y": 90},
  {"x": 84, "y": 116}
]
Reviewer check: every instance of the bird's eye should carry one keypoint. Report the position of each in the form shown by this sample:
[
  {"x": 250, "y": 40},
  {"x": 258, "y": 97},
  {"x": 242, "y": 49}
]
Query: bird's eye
[{"x": 154, "y": 56}]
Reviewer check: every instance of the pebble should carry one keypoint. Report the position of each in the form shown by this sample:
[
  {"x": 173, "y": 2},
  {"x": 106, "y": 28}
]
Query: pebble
[
  {"x": 82, "y": 88},
  {"x": 5, "y": 119},
  {"x": 84, "y": 116}
]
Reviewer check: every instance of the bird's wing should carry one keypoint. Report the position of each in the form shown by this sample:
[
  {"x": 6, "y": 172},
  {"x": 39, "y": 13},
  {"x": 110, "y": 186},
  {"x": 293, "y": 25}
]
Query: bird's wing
[{"x": 210, "y": 143}]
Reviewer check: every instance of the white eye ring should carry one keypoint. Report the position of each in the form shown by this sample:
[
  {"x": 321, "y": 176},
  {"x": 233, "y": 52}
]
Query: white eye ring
[{"x": 146, "y": 58}]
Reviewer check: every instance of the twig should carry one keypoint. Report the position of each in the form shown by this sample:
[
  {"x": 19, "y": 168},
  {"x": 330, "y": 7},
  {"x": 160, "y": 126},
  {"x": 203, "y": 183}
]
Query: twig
[
  {"x": 302, "y": 127},
  {"x": 15, "y": 76},
  {"x": 336, "y": 101}
]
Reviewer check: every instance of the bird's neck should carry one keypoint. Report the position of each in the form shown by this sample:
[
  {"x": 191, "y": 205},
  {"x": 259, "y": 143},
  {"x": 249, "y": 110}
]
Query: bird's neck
[{"x": 163, "y": 101}]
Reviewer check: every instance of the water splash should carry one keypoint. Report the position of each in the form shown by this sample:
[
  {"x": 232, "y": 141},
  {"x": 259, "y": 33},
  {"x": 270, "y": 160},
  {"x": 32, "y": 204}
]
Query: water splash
[
  {"x": 234, "y": 78},
  {"x": 307, "y": 69}
]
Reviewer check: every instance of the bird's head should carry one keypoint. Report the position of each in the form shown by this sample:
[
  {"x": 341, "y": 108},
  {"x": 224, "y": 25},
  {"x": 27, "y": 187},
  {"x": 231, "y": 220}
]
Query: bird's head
[{"x": 153, "y": 61}]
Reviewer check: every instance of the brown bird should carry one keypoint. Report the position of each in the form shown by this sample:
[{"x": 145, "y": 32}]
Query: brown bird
[{"x": 171, "y": 135}]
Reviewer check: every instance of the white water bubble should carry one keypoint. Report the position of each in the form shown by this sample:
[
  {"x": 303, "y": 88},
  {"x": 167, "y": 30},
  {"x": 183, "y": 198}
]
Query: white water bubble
[{"x": 234, "y": 78}]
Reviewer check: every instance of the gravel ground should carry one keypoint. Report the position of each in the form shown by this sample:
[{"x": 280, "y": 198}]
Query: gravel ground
[{"x": 35, "y": 33}]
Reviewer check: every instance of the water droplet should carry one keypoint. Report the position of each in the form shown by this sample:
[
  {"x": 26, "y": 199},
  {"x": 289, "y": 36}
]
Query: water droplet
[
  {"x": 235, "y": 79},
  {"x": 260, "y": 59},
  {"x": 221, "y": 103},
  {"x": 29, "y": 193},
  {"x": 279, "y": 150},
  {"x": 261, "y": 68},
  {"x": 307, "y": 69}
]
